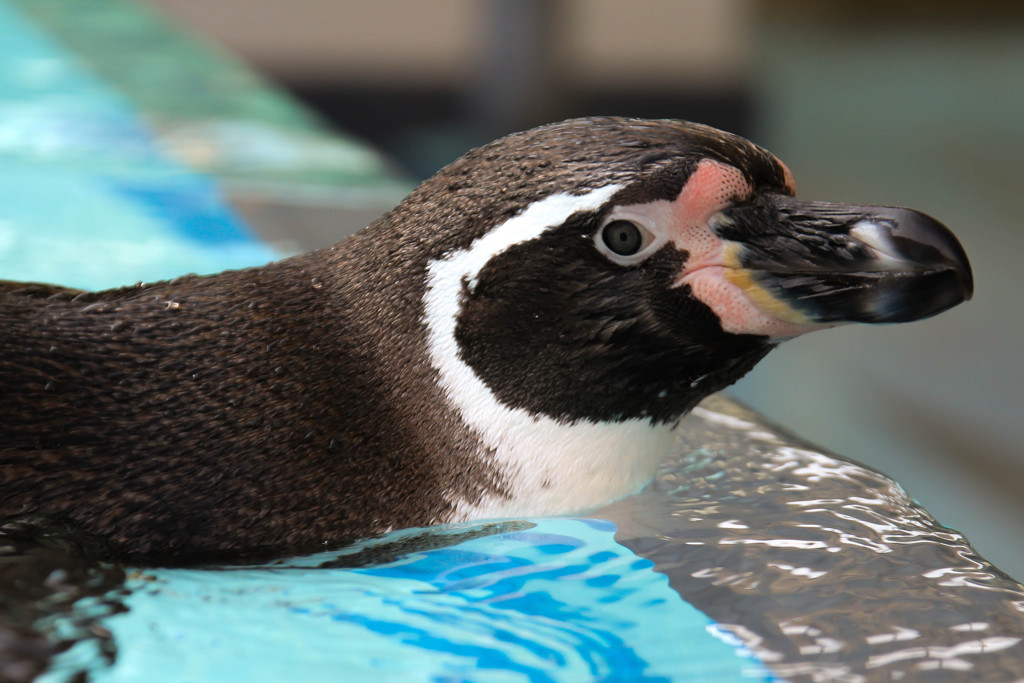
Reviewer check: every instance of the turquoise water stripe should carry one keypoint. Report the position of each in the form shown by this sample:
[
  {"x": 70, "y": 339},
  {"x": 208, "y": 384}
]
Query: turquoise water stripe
[
  {"x": 87, "y": 197},
  {"x": 61, "y": 226},
  {"x": 57, "y": 225}
]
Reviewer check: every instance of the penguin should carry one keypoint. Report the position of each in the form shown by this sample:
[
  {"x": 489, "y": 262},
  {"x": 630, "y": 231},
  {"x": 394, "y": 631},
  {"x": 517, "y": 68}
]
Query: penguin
[{"x": 520, "y": 336}]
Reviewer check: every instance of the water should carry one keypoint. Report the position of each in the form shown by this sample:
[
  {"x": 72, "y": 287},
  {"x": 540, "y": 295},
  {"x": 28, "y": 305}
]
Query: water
[
  {"x": 88, "y": 197},
  {"x": 827, "y": 570},
  {"x": 541, "y": 600},
  {"x": 751, "y": 557}
]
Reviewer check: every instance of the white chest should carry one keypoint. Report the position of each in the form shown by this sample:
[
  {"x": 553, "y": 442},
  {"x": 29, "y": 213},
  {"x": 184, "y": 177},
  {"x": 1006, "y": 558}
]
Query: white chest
[{"x": 559, "y": 468}]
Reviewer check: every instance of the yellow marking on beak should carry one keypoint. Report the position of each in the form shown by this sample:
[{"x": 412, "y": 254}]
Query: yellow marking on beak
[{"x": 758, "y": 295}]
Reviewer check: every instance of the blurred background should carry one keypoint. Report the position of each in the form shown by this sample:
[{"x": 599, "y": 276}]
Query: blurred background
[{"x": 910, "y": 103}]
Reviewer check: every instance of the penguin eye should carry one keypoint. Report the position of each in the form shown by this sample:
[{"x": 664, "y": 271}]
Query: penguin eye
[
  {"x": 623, "y": 237},
  {"x": 626, "y": 242}
]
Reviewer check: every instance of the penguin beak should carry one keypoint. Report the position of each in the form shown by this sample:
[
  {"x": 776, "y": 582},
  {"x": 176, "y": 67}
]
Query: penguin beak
[{"x": 823, "y": 263}]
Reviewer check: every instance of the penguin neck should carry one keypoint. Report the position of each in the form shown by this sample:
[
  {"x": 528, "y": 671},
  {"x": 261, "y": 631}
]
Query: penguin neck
[
  {"x": 549, "y": 465},
  {"x": 554, "y": 468}
]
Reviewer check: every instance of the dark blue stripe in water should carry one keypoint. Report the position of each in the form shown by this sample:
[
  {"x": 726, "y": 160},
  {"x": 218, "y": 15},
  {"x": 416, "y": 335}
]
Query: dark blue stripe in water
[
  {"x": 600, "y": 649},
  {"x": 192, "y": 206}
]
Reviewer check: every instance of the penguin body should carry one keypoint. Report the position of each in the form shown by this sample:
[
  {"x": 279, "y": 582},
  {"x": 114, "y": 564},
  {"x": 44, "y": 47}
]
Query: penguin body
[{"x": 520, "y": 336}]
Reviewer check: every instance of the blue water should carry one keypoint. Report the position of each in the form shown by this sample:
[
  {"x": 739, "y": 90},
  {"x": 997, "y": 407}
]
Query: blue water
[
  {"x": 559, "y": 600},
  {"x": 87, "y": 197}
]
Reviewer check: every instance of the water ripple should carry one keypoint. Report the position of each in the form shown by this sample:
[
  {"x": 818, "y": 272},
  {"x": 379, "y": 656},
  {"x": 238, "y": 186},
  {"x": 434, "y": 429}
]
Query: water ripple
[{"x": 824, "y": 568}]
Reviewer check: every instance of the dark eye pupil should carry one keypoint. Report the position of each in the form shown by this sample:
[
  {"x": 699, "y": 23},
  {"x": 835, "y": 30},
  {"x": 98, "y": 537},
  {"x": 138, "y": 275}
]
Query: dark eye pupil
[{"x": 622, "y": 237}]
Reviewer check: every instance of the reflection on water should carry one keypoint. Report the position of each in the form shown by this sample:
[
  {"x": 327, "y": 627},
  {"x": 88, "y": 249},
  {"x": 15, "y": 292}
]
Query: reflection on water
[
  {"x": 753, "y": 556},
  {"x": 824, "y": 568},
  {"x": 51, "y": 598}
]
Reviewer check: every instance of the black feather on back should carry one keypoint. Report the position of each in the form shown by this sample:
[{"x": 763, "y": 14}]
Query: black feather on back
[{"x": 208, "y": 415}]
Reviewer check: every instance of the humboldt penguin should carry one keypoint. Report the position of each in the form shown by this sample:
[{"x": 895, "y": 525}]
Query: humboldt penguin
[{"x": 520, "y": 336}]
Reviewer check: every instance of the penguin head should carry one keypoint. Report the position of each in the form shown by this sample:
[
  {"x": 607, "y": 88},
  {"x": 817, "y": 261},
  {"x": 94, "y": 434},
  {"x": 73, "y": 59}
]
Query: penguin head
[{"x": 615, "y": 269}]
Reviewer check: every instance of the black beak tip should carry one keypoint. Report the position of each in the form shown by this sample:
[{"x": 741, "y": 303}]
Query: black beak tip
[
  {"x": 967, "y": 284},
  {"x": 898, "y": 264},
  {"x": 965, "y": 275},
  {"x": 933, "y": 245}
]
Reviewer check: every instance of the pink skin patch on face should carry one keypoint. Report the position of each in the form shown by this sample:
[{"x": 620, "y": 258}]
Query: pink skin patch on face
[{"x": 712, "y": 270}]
